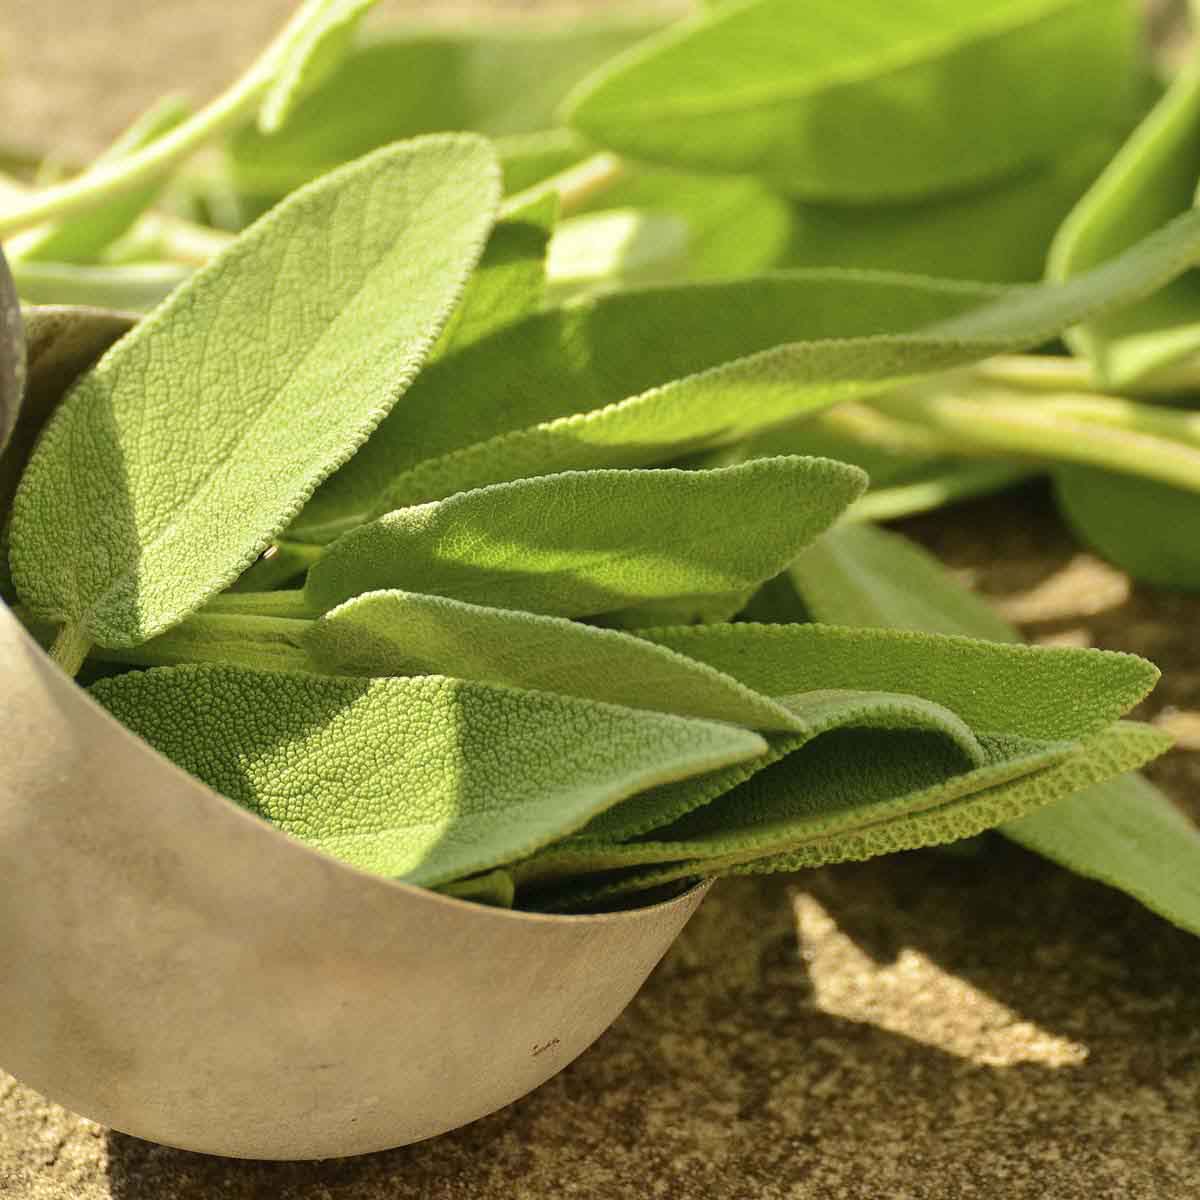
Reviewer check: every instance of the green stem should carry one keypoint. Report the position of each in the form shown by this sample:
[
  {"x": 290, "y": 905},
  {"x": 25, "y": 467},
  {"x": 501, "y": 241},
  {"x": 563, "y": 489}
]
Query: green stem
[
  {"x": 960, "y": 483},
  {"x": 262, "y": 643},
  {"x": 287, "y": 604},
  {"x": 104, "y": 180},
  {"x": 1058, "y": 373},
  {"x": 70, "y": 648}
]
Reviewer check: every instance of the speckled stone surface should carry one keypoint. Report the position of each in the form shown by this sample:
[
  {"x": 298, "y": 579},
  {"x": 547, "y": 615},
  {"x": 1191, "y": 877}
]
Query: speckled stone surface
[{"x": 925, "y": 1027}]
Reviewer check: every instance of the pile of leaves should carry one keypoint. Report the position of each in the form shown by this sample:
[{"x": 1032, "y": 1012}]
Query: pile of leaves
[{"x": 485, "y": 500}]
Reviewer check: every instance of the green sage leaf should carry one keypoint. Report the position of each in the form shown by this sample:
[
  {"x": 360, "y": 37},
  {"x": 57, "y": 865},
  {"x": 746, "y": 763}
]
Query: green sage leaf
[
  {"x": 428, "y": 780},
  {"x": 582, "y": 543},
  {"x": 400, "y": 633},
  {"x": 173, "y": 463},
  {"x": 1153, "y": 178},
  {"x": 894, "y": 99}
]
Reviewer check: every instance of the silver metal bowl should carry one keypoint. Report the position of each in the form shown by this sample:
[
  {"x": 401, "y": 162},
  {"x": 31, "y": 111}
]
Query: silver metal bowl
[{"x": 176, "y": 968}]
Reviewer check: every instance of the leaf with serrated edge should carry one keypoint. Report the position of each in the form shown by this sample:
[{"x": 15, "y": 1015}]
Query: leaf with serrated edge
[
  {"x": 582, "y": 543},
  {"x": 881, "y": 100},
  {"x": 177, "y": 459},
  {"x": 429, "y": 779},
  {"x": 400, "y": 633}
]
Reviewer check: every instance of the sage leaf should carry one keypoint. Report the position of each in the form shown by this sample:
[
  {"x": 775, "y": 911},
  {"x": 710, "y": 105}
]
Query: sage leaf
[
  {"x": 398, "y": 84},
  {"x": 59, "y": 345},
  {"x": 812, "y": 815},
  {"x": 582, "y": 543},
  {"x": 847, "y": 782},
  {"x": 1127, "y": 834},
  {"x": 894, "y": 99},
  {"x": 84, "y": 238},
  {"x": 401, "y": 633},
  {"x": 1105, "y": 850},
  {"x": 428, "y": 780},
  {"x": 814, "y": 714},
  {"x": 1152, "y": 178},
  {"x": 527, "y": 159},
  {"x": 1051, "y": 693},
  {"x": 1145, "y": 527},
  {"x": 12, "y": 357},
  {"x": 317, "y": 49},
  {"x": 174, "y": 462},
  {"x": 589, "y": 355},
  {"x": 862, "y": 575},
  {"x": 131, "y": 287},
  {"x": 617, "y": 247},
  {"x": 510, "y": 281}
]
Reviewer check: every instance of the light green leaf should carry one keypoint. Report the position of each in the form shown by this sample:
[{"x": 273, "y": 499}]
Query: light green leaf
[
  {"x": 1127, "y": 834},
  {"x": 430, "y": 779},
  {"x": 402, "y": 83},
  {"x": 176, "y": 460},
  {"x": 135, "y": 287},
  {"x": 1107, "y": 852},
  {"x": 1153, "y": 178},
  {"x": 582, "y": 543},
  {"x": 590, "y": 355},
  {"x": 84, "y": 238},
  {"x": 319, "y": 47},
  {"x": 860, "y": 575},
  {"x": 60, "y": 344},
  {"x": 510, "y": 281},
  {"x": 887, "y": 99},
  {"x": 814, "y": 713},
  {"x": 401, "y": 633},
  {"x": 531, "y": 158},
  {"x": 1050, "y": 693},
  {"x": 1146, "y": 528},
  {"x": 840, "y": 803}
]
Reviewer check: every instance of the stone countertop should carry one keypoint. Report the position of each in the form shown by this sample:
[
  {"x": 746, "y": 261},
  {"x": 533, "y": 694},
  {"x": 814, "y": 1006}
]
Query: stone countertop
[{"x": 925, "y": 1027}]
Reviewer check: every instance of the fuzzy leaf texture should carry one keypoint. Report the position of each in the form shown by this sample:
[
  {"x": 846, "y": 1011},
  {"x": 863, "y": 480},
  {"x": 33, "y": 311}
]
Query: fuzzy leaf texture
[
  {"x": 1152, "y": 179},
  {"x": 879, "y": 100},
  {"x": 400, "y": 633},
  {"x": 175, "y": 461},
  {"x": 731, "y": 347},
  {"x": 1093, "y": 833},
  {"x": 428, "y": 780},
  {"x": 583, "y": 543}
]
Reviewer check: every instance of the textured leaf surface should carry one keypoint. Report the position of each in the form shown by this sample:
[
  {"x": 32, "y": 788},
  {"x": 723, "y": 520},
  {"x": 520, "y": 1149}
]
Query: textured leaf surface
[
  {"x": 1146, "y": 528},
  {"x": 815, "y": 713},
  {"x": 860, "y": 575},
  {"x": 1151, "y": 180},
  {"x": 1053, "y": 693},
  {"x": 427, "y": 779},
  {"x": 61, "y": 343},
  {"x": 881, "y": 99},
  {"x": 1108, "y": 851},
  {"x": 842, "y": 805},
  {"x": 582, "y": 543},
  {"x": 587, "y": 356},
  {"x": 176, "y": 460},
  {"x": 1127, "y": 834},
  {"x": 400, "y": 633}
]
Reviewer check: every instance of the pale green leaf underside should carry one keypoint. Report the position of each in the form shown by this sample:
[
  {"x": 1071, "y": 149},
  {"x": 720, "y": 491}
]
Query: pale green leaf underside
[
  {"x": 1152, "y": 179},
  {"x": 196, "y": 440},
  {"x": 880, "y": 99},
  {"x": 1127, "y": 834},
  {"x": 856, "y": 777},
  {"x": 1091, "y": 832},
  {"x": 815, "y": 713},
  {"x": 1051, "y": 693},
  {"x": 428, "y": 779},
  {"x": 400, "y": 633},
  {"x": 583, "y": 543}
]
